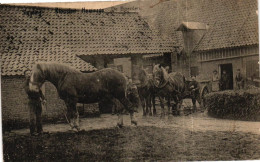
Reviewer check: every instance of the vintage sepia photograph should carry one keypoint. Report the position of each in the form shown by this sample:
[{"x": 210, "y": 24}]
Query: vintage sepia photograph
[{"x": 138, "y": 80}]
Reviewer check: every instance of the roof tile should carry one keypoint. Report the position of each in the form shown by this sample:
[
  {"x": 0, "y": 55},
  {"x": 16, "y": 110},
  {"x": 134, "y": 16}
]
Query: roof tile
[
  {"x": 28, "y": 37},
  {"x": 231, "y": 23}
]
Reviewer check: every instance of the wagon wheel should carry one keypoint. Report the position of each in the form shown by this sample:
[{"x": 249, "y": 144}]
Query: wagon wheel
[{"x": 203, "y": 92}]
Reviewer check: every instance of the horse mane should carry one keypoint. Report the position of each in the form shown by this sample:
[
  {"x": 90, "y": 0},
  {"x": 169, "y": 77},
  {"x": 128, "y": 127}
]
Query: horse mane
[
  {"x": 55, "y": 68},
  {"x": 164, "y": 72},
  {"x": 143, "y": 73}
]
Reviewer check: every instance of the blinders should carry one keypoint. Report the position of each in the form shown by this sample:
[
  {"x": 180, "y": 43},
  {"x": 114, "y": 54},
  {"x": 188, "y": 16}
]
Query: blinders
[{"x": 157, "y": 77}]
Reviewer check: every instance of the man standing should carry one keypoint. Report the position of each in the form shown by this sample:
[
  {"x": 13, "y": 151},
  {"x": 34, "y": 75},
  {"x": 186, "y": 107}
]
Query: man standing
[
  {"x": 239, "y": 80},
  {"x": 194, "y": 89},
  {"x": 35, "y": 106},
  {"x": 224, "y": 81},
  {"x": 215, "y": 81},
  {"x": 132, "y": 94}
]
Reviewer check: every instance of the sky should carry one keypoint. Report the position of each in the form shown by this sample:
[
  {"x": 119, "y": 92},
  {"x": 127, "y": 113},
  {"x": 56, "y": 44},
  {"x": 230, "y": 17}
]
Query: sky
[{"x": 69, "y": 4}]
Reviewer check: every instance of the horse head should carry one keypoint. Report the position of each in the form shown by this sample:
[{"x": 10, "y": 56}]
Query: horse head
[
  {"x": 160, "y": 75},
  {"x": 143, "y": 76},
  {"x": 37, "y": 78}
]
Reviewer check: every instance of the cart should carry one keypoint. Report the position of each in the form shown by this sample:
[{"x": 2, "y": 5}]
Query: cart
[{"x": 205, "y": 87}]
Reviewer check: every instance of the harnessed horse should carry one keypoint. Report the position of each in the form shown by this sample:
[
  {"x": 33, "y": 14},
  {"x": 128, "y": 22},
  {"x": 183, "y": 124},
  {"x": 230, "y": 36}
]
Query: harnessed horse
[
  {"x": 169, "y": 86},
  {"x": 146, "y": 92},
  {"x": 75, "y": 87}
]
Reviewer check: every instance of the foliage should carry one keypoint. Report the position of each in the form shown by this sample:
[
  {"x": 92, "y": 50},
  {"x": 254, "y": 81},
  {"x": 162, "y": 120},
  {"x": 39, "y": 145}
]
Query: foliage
[{"x": 234, "y": 104}]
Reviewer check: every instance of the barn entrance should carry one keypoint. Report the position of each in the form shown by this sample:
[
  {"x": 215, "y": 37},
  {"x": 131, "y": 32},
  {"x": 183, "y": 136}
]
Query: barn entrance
[{"x": 229, "y": 70}]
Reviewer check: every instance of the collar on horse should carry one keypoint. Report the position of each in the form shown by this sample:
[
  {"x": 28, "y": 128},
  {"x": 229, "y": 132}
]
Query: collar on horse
[
  {"x": 164, "y": 78},
  {"x": 162, "y": 85},
  {"x": 169, "y": 81}
]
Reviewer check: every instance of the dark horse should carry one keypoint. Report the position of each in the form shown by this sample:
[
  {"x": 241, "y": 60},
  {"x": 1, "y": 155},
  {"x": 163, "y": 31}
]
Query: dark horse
[
  {"x": 146, "y": 92},
  {"x": 75, "y": 87},
  {"x": 169, "y": 86}
]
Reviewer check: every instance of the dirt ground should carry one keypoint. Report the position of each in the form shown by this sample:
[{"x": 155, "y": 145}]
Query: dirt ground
[{"x": 187, "y": 137}]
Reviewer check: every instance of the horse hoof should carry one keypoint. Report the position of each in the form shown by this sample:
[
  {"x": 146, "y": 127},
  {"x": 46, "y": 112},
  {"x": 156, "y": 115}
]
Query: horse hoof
[
  {"x": 34, "y": 134},
  {"x": 119, "y": 125},
  {"x": 81, "y": 130},
  {"x": 77, "y": 129},
  {"x": 43, "y": 133},
  {"x": 134, "y": 122}
]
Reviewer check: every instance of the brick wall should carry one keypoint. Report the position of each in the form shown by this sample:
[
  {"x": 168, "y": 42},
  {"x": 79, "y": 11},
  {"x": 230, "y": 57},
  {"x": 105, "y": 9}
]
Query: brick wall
[
  {"x": 14, "y": 99},
  {"x": 15, "y": 110}
]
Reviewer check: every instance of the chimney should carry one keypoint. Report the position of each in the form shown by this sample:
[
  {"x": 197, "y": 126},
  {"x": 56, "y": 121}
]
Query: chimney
[{"x": 192, "y": 33}]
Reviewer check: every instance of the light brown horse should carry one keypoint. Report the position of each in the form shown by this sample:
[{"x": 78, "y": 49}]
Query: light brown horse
[
  {"x": 75, "y": 87},
  {"x": 169, "y": 86}
]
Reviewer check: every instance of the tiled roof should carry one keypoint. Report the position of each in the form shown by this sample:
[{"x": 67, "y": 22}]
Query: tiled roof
[
  {"x": 16, "y": 63},
  {"x": 232, "y": 23},
  {"x": 29, "y": 34}
]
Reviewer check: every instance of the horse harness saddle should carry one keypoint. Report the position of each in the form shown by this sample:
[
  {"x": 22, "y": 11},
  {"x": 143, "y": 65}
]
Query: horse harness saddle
[{"x": 175, "y": 80}]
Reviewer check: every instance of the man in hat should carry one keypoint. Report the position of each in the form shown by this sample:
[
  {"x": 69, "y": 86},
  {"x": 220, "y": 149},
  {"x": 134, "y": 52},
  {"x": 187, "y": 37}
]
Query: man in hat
[
  {"x": 132, "y": 94},
  {"x": 239, "y": 80},
  {"x": 224, "y": 81},
  {"x": 215, "y": 81},
  {"x": 35, "y": 105}
]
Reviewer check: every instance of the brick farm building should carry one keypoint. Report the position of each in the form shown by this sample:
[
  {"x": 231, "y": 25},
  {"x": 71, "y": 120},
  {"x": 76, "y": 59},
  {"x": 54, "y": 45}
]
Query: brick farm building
[{"x": 86, "y": 41}]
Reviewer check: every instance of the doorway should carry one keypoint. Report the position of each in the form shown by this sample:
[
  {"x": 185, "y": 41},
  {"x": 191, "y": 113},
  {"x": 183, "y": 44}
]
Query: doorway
[{"x": 229, "y": 70}]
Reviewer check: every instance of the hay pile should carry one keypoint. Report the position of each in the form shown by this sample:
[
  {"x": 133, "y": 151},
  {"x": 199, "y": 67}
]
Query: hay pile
[{"x": 238, "y": 104}]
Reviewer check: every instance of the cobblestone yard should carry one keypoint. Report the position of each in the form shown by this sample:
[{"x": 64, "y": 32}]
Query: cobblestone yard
[{"x": 193, "y": 136}]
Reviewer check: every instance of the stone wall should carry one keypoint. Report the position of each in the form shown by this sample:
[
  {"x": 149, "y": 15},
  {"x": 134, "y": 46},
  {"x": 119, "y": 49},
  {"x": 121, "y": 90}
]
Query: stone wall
[{"x": 15, "y": 111}]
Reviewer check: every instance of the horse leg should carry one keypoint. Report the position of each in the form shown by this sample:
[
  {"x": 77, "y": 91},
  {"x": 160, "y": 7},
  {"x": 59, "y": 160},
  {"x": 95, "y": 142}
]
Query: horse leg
[
  {"x": 162, "y": 106},
  {"x": 169, "y": 104},
  {"x": 143, "y": 105},
  {"x": 179, "y": 106},
  {"x": 174, "y": 105},
  {"x": 153, "y": 102},
  {"x": 73, "y": 115},
  {"x": 148, "y": 105}
]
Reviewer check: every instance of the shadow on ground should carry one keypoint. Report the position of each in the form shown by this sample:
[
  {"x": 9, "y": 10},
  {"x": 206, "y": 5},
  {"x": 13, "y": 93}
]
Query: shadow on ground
[{"x": 132, "y": 143}]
